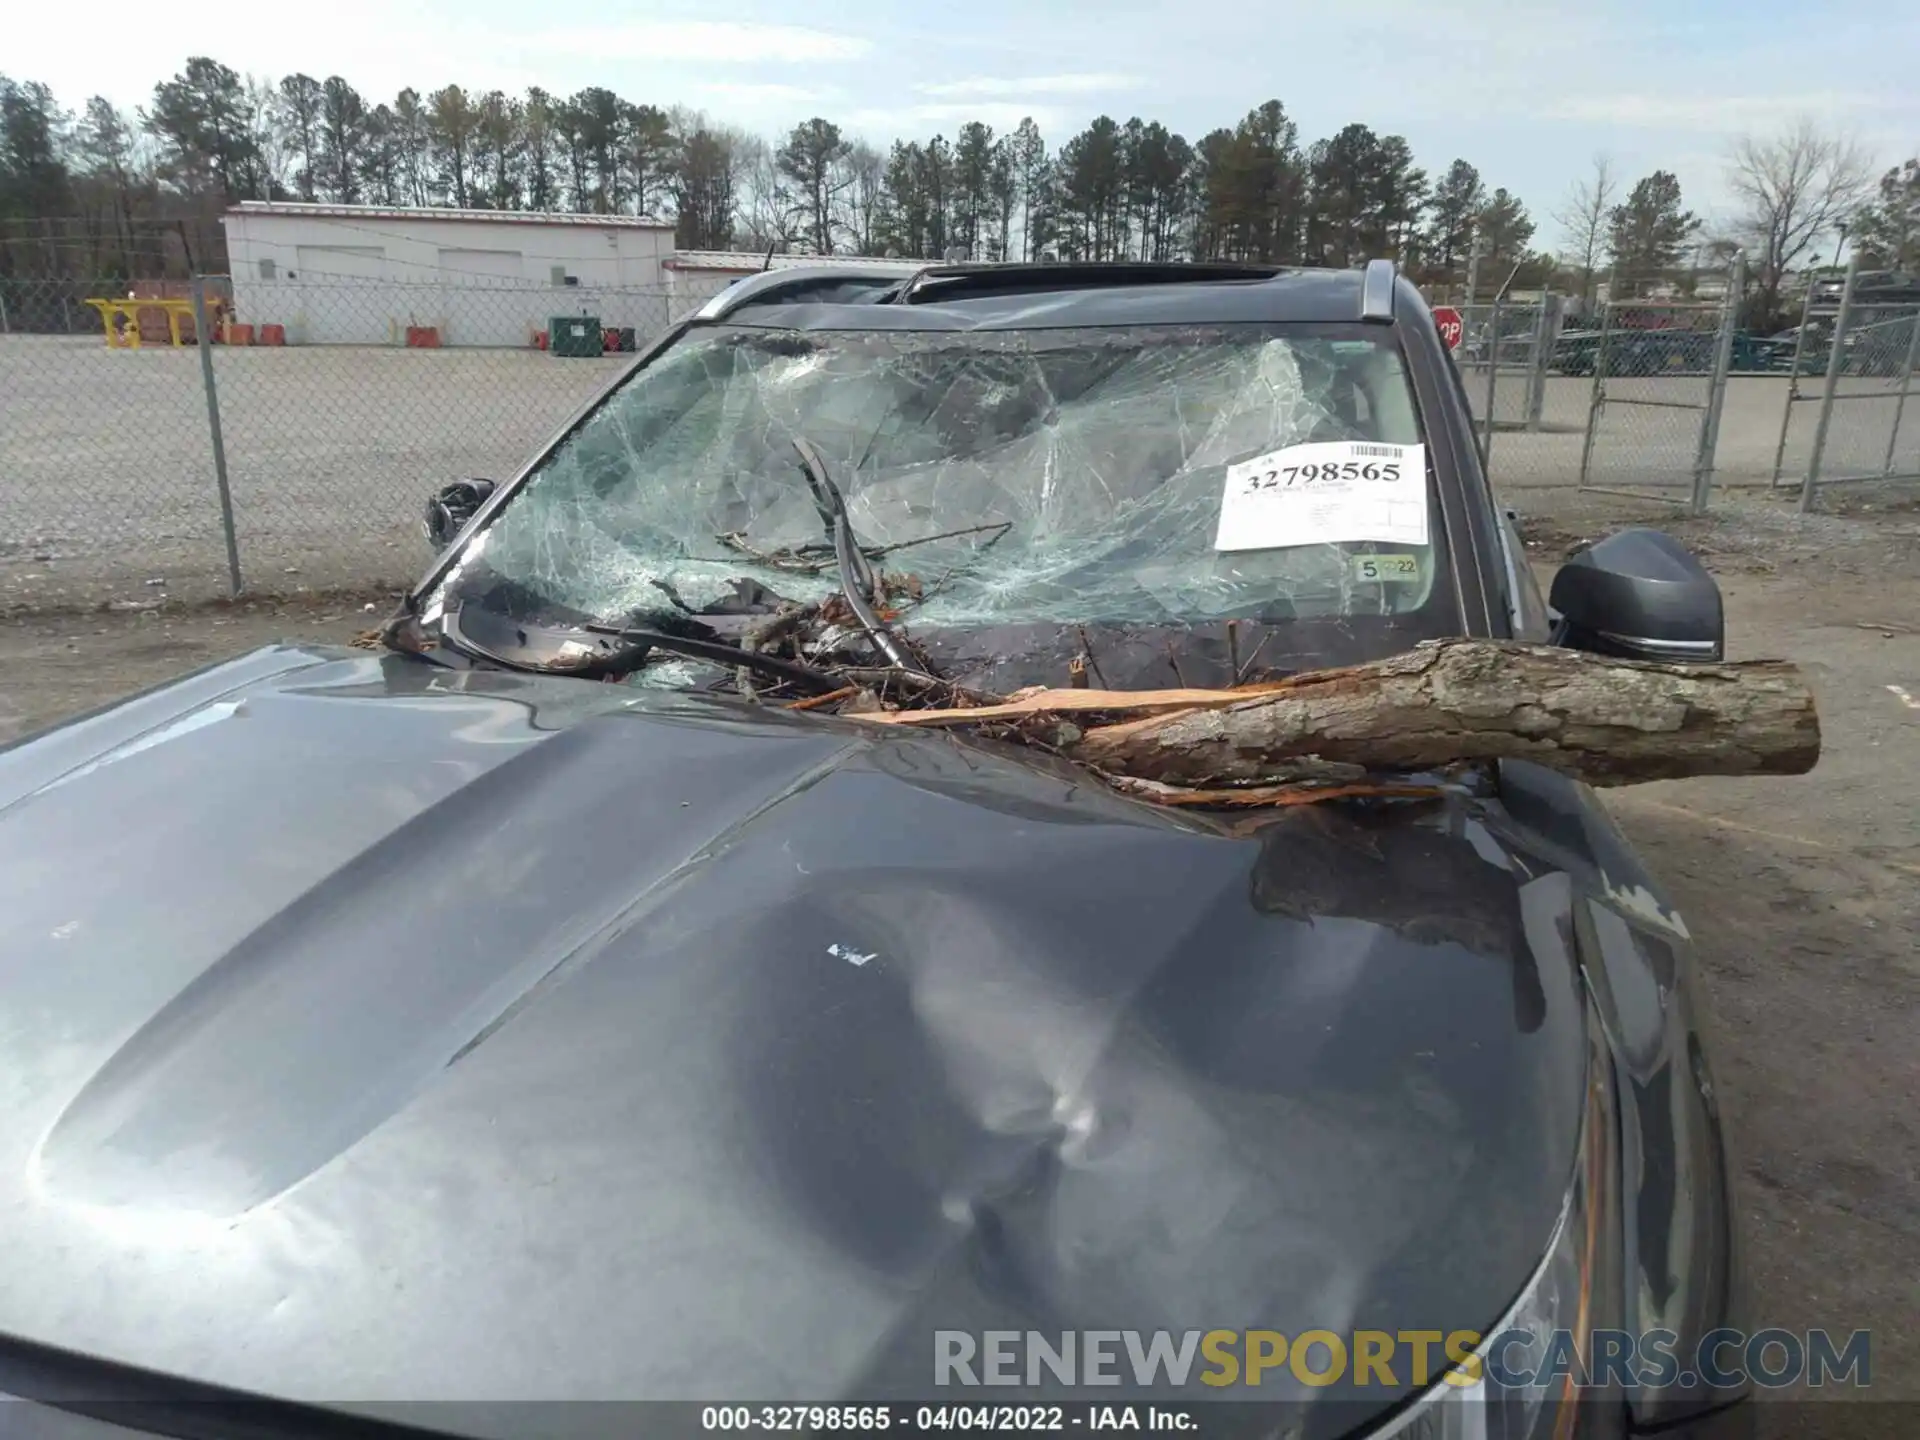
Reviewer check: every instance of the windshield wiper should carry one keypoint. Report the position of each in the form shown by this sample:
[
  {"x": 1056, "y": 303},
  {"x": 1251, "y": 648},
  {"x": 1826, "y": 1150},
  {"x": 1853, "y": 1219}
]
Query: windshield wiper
[
  {"x": 856, "y": 575},
  {"x": 819, "y": 682}
]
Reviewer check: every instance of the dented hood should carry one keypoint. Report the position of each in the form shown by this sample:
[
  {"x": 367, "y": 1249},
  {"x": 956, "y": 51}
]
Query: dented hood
[{"x": 372, "y": 1032}]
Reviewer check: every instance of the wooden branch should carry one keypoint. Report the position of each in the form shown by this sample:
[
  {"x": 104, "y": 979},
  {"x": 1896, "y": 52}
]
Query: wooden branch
[
  {"x": 1061, "y": 702},
  {"x": 1605, "y": 721},
  {"x": 1269, "y": 795}
]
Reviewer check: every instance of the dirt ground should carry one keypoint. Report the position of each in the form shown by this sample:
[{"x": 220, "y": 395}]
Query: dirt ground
[{"x": 1803, "y": 893}]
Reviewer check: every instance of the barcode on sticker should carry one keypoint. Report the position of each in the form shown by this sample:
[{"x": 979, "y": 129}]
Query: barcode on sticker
[{"x": 1379, "y": 452}]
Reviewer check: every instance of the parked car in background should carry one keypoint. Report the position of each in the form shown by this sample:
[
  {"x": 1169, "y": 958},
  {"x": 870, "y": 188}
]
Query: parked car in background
[
  {"x": 1631, "y": 353},
  {"x": 1878, "y": 343},
  {"x": 1514, "y": 346},
  {"x": 1870, "y": 287}
]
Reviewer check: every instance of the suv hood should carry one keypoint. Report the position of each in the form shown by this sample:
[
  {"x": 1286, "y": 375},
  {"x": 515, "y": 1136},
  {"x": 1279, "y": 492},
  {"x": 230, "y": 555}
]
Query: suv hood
[{"x": 372, "y": 1032}]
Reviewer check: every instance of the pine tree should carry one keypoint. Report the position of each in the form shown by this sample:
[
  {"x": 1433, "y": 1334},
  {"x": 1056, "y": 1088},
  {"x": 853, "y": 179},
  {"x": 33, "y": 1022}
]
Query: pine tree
[
  {"x": 1887, "y": 232},
  {"x": 704, "y": 191},
  {"x": 451, "y": 122},
  {"x": 302, "y": 99},
  {"x": 810, "y": 160},
  {"x": 1031, "y": 168},
  {"x": 1648, "y": 233},
  {"x": 202, "y": 118},
  {"x": 651, "y": 154},
  {"x": 343, "y": 140},
  {"x": 1453, "y": 212},
  {"x": 1503, "y": 229},
  {"x": 541, "y": 150}
]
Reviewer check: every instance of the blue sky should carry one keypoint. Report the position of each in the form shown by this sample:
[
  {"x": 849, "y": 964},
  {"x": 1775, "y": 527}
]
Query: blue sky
[{"x": 1528, "y": 90}]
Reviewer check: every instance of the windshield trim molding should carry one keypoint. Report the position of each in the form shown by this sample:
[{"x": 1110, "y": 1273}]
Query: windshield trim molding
[{"x": 1456, "y": 533}]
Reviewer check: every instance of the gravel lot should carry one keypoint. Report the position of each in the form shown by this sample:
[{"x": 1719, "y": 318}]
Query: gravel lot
[
  {"x": 106, "y": 468},
  {"x": 1804, "y": 892}
]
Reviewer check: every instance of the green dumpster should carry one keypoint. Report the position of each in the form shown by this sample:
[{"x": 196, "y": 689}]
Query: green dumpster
[{"x": 574, "y": 335}]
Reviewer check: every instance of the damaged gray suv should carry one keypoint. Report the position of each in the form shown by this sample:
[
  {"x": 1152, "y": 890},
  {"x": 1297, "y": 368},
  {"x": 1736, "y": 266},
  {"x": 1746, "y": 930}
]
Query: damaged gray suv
[{"x": 572, "y": 998}]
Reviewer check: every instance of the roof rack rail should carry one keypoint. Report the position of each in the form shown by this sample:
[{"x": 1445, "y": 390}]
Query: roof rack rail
[
  {"x": 796, "y": 283},
  {"x": 954, "y": 282},
  {"x": 1376, "y": 290}
]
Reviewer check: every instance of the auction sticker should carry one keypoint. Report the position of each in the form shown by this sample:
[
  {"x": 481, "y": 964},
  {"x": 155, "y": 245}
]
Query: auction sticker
[{"x": 1326, "y": 494}]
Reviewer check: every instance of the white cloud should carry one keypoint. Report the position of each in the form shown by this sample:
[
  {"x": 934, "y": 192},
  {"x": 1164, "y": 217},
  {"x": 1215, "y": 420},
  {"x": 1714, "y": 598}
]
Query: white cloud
[
  {"x": 713, "y": 42},
  {"x": 986, "y": 85},
  {"x": 744, "y": 92},
  {"x": 1728, "y": 113},
  {"x": 916, "y": 122},
  {"x": 381, "y": 45}
]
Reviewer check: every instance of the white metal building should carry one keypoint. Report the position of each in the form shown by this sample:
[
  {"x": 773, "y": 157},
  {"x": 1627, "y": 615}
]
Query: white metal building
[{"x": 365, "y": 275}]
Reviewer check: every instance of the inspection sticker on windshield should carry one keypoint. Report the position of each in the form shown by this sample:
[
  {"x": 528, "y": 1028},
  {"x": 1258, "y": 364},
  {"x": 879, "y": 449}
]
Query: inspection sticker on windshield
[
  {"x": 1386, "y": 569},
  {"x": 1326, "y": 494}
]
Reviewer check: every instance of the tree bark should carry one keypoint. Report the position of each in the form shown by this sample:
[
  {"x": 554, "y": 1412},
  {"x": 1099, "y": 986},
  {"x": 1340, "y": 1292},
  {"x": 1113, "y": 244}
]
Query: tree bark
[{"x": 1604, "y": 721}]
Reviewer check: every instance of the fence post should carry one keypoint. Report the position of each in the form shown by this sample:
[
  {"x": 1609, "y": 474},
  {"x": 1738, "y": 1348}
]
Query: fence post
[
  {"x": 203, "y": 339},
  {"x": 1493, "y": 375},
  {"x": 1597, "y": 398},
  {"x": 1703, "y": 460},
  {"x": 1836, "y": 360},
  {"x": 1793, "y": 386},
  {"x": 1906, "y": 384},
  {"x": 1546, "y": 333}
]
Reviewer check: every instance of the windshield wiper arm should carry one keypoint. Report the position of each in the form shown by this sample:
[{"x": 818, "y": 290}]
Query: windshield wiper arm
[
  {"x": 820, "y": 682},
  {"x": 856, "y": 575}
]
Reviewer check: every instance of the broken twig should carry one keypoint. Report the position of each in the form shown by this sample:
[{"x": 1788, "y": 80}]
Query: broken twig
[{"x": 814, "y": 702}]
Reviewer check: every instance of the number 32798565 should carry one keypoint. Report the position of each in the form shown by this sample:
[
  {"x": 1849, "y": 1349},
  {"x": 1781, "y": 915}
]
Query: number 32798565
[{"x": 1287, "y": 477}]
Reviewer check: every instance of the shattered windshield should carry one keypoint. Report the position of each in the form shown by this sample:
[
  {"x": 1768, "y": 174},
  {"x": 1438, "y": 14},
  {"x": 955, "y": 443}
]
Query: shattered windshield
[{"x": 992, "y": 481}]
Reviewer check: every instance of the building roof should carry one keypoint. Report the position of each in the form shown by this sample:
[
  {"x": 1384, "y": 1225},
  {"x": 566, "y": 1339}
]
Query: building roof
[
  {"x": 747, "y": 262},
  {"x": 323, "y": 211}
]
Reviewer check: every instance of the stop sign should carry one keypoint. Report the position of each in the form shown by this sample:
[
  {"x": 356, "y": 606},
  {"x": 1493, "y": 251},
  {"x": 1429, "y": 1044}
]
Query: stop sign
[{"x": 1451, "y": 329}]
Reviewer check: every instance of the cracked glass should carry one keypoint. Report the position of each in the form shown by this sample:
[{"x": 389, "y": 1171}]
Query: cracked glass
[{"x": 1036, "y": 477}]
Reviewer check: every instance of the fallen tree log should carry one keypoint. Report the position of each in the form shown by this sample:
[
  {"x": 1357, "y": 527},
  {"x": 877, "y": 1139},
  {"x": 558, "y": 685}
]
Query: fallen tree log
[{"x": 1605, "y": 721}]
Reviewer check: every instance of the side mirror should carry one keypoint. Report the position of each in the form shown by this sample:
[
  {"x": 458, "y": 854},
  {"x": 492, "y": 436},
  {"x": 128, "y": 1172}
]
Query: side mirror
[
  {"x": 452, "y": 507},
  {"x": 1638, "y": 595}
]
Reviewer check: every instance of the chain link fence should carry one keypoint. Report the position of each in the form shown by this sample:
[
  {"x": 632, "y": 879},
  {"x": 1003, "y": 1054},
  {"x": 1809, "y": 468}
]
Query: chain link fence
[
  {"x": 297, "y": 448},
  {"x": 1850, "y": 415},
  {"x": 1658, "y": 375},
  {"x": 1503, "y": 356}
]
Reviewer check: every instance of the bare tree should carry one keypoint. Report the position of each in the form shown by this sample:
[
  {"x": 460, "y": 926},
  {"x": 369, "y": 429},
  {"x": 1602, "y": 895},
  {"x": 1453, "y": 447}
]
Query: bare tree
[
  {"x": 1792, "y": 189},
  {"x": 1583, "y": 219},
  {"x": 771, "y": 215},
  {"x": 862, "y": 180},
  {"x": 265, "y": 121}
]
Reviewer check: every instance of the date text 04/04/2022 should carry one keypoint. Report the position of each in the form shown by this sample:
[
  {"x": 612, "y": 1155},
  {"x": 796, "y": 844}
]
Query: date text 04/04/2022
[{"x": 934, "y": 1418}]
